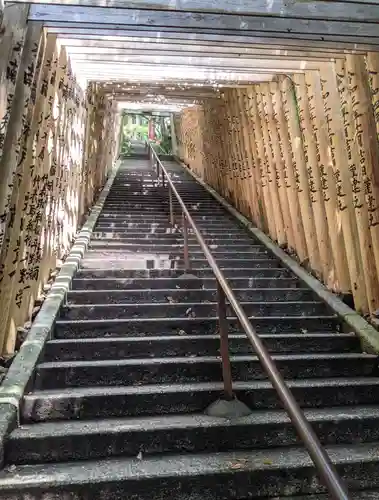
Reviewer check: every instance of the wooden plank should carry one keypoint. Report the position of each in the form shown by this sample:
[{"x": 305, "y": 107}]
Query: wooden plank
[
  {"x": 366, "y": 140},
  {"x": 262, "y": 160},
  {"x": 163, "y": 42},
  {"x": 314, "y": 181},
  {"x": 271, "y": 173},
  {"x": 313, "y": 43},
  {"x": 278, "y": 165},
  {"x": 289, "y": 172},
  {"x": 357, "y": 183},
  {"x": 301, "y": 175},
  {"x": 341, "y": 278},
  {"x": 180, "y": 60},
  {"x": 173, "y": 19},
  {"x": 165, "y": 50},
  {"x": 346, "y": 215},
  {"x": 353, "y": 10},
  {"x": 11, "y": 251}
]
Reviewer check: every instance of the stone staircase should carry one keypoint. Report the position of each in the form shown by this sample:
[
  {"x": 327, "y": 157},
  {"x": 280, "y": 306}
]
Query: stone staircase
[{"x": 116, "y": 408}]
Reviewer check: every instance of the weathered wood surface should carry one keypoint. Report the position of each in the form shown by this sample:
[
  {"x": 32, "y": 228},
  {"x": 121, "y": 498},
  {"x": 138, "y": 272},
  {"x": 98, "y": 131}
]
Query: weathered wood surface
[
  {"x": 44, "y": 164},
  {"x": 113, "y": 16},
  {"x": 302, "y": 163},
  {"x": 348, "y": 10}
]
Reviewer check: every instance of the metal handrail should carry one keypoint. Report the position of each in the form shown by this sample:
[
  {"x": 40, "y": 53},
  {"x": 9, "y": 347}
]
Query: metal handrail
[{"x": 319, "y": 456}]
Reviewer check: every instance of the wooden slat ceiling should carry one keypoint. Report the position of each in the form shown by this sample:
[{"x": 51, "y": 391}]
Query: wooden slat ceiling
[{"x": 160, "y": 45}]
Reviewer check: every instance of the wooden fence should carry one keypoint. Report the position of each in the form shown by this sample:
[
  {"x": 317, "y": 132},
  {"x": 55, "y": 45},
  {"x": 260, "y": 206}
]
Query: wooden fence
[
  {"x": 299, "y": 157},
  {"x": 57, "y": 145}
]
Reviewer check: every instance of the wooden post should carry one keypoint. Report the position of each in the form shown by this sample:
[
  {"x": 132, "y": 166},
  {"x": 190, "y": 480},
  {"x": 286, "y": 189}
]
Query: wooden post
[
  {"x": 341, "y": 278},
  {"x": 250, "y": 179},
  {"x": 289, "y": 173},
  {"x": 17, "y": 141},
  {"x": 256, "y": 162},
  {"x": 270, "y": 167},
  {"x": 278, "y": 166},
  {"x": 367, "y": 144},
  {"x": 314, "y": 181},
  {"x": 332, "y": 109},
  {"x": 301, "y": 175},
  {"x": 262, "y": 159}
]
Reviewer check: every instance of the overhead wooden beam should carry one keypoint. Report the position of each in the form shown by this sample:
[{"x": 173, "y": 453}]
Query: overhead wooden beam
[
  {"x": 185, "y": 36},
  {"x": 154, "y": 43},
  {"x": 196, "y": 51},
  {"x": 182, "y": 61},
  {"x": 205, "y": 21},
  {"x": 348, "y": 10}
]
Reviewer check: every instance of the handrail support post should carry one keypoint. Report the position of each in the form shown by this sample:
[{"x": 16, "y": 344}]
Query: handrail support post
[
  {"x": 187, "y": 263},
  {"x": 172, "y": 221},
  {"x": 224, "y": 344}
]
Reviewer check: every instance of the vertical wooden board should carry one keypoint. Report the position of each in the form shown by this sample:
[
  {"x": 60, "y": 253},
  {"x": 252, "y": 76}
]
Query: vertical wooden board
[
  {"x": 250, "y": 181},
  {"x": 37, "y": 187},
  {"x": 357, "y": 187},
  {"x": 11, "y": 47},
  {"x": 289, "y": 169},
  {"x": 270, "y": 167},
  {"x": 314, "y": 182},
  {"x": 227, "y": 179},
  {"x": 299, "y": 166},
  {"x": 221, "y": 156},
  {"x": 332, "y": 108},
  {"x": 327, "y": 181},
  {"x": 372, "y": 67},
  {"x": 262, "y": 161},
  {"x": 11, "y": 250},
  {"x": 367, "y": 142},
  {"x": 278, "y": 166},
  {"x": 234, "y": 165},
  {"x": 230, "y": 161},
  {"x": 255, "y": 176},
  {"x": 242, "y": 193}
]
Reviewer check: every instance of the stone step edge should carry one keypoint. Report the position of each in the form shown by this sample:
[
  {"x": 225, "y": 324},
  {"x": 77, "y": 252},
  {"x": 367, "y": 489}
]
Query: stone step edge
[{"x": 164, "y": 470}]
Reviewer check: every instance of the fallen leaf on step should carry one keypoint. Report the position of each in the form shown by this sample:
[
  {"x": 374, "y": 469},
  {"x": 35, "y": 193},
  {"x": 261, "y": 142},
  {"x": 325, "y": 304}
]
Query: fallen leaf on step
[
  {"x": 236, "y": 466},
  {"x": 267, "y": 461},
  {"x": 182, "y": 332},
  {"x": 171, "y": 299}
]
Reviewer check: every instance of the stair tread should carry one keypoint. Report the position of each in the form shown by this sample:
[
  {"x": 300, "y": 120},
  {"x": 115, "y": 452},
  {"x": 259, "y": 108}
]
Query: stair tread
[
  {"x": 176, "y": 465},
  {"x": 173, "y": 338},
  {"x": 200, "y": 386},
  {"x": 204, "y": 359},
  {"x": 173, "y": 304},
  {"x": 185, "y": 421},
  {"x": 181, "y": 318}
]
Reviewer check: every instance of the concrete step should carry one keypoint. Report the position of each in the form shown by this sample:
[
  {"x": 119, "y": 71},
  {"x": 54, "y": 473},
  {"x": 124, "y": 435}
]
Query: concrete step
[
  {"x": 86, "y": 349},
  {"x": 176, "y": 295},
  {"x": 103, "y": 258},
  {"x": 252, "y": 273},
  {"x": 165, "y": 399},
  {"x": 170, "y": 283},
  {"x": 240, "y": 474},
  {"x": 190, "y": 310},
  {"x": 172, "y": 252},
  {"x": 181, "y": 433},
  {"x": 123, "y": 245},
  {"x": 138, "y": 238},
  {"x": 184, "y": 370},
  {"x": 189, "y": 326}
]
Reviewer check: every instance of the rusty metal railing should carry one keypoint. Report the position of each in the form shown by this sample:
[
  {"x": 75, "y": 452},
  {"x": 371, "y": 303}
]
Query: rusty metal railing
[{"x": 319, "y": 456}]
